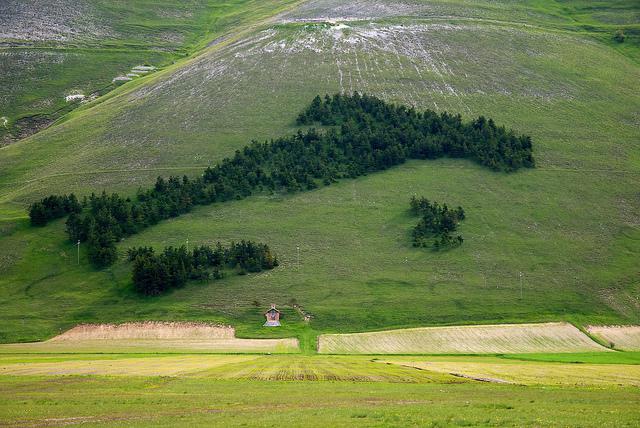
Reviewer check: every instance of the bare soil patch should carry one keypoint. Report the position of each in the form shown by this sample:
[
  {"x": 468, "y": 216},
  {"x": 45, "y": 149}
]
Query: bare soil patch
[
  {"x": 147, "y": 330},
  {"x": 153, "y": 337}
]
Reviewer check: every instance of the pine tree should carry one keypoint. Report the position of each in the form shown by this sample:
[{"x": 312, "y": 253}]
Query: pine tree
[{"x": 38, "y": 214}]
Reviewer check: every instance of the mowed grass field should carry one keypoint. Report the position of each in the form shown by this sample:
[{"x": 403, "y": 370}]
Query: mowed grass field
[
  {"x": 626, "y": 338},
  {"x": 570, "y": 226},
  {"x": 170, "y": 346},
  {"x": 489, "y": 339},
  {"x": 251, "y": 390},
  {"x": 499, "y": 370}
]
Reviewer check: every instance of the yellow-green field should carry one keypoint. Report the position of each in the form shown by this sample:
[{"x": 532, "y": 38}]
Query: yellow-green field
[
  {"x": 248, "y": 367},
  {"x": 426, "y": 369},
  {"x": 169, "y": 346},
  {"x": 298, "y": 390},
  {"x": 122, "y": 365},
  {"x": 499, "y": 370}
]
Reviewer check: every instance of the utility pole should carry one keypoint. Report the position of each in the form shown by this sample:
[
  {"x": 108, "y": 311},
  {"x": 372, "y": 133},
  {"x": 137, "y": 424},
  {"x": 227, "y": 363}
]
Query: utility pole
[
  {"x": 521, "y": 285},
  {"x": 298, "y": 255},
  {"x": 78, "y": 251},
  {"x": 187, "y": 245}
]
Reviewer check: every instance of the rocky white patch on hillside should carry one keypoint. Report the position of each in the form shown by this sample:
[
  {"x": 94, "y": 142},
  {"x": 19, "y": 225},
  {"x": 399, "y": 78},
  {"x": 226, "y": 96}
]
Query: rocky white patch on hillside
[
  {"x": 74, "y": 97},
  {"x": 406, "y": 62},
  {"x": 51, "y": 20}
]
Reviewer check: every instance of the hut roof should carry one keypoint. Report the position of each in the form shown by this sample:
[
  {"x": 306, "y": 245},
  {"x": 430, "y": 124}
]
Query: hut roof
[{"x": 273, "y": 308}]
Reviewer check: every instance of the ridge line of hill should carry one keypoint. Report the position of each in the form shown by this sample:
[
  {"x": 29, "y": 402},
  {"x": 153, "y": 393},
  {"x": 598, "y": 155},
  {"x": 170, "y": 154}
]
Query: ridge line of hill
[{"x": 214, "y": 42}]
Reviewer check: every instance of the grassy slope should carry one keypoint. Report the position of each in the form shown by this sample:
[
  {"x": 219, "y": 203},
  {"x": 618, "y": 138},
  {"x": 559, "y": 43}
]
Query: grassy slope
[
  {"x": 570, "y": 225},
  {"x": 38, "y": 72}
]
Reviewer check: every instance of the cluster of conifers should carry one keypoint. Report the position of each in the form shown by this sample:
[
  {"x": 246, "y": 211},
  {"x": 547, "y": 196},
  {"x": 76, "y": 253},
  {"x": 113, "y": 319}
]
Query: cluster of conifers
[
  {"x": 53, "y": 207},
  {"x": 436, "y": 225},
  {"x": 361, "y": 134},
  {"x": 154, "y": 274}
]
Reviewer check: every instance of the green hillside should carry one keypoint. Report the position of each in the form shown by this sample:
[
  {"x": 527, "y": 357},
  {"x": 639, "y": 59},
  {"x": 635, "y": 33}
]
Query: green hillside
[
  {"x": 547, "y": 69},
  {"x": 53, "y": 49}
]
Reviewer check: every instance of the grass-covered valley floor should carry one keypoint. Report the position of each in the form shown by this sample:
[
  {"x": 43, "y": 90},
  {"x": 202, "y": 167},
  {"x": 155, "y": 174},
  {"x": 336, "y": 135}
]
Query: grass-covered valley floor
[{"x": 253, "y": 390}]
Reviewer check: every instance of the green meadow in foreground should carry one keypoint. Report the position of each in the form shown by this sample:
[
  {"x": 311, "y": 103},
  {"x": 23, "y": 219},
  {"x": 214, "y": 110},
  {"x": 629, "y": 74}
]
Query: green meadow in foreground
[
  {"x": 570, "y": 225},
  {"x": 253, "y": 390},
  {"x": 117, "y": 401}
]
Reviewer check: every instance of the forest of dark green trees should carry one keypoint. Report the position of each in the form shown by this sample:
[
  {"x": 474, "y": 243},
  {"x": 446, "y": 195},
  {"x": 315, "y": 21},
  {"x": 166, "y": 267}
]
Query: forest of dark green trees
[{"x": 359, "y": 135}]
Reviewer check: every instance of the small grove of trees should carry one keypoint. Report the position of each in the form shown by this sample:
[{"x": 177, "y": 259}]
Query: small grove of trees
[
  {"x": 364, "y": 135},
  {"x": 53, "y": 207},
  {"x": 155, "y": 274},
  {"x": 436, "y": 225}
]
